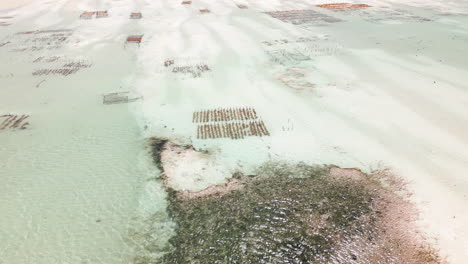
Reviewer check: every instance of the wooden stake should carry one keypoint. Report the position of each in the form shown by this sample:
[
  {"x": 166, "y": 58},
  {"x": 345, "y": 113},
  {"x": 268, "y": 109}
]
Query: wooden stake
[
  {"x": 9, "y": 121},
  {"x": 18, "y": 122}
]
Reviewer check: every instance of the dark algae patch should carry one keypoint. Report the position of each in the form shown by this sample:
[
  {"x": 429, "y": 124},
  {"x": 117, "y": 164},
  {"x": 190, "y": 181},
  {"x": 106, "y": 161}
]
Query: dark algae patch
[
  {"x": 157, "y": 145},
  {"x": 273, "y": 219},
  {"x": 297, "y": 213}
]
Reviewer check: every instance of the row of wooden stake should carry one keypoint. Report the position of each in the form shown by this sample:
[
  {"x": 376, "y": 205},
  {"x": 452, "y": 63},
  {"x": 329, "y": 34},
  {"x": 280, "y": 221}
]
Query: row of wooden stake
[
  {"x": 64, "y": 72},
  {"x": 14, "y": 121},
  {"x": 232, "y": 130},
  {"x": 219, "y": 115}
]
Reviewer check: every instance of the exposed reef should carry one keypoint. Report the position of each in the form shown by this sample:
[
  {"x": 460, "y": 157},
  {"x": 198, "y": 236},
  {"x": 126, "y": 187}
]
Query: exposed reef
[
  {"x": 184, "y": 168},
  {"x": 295, "y": 213}
]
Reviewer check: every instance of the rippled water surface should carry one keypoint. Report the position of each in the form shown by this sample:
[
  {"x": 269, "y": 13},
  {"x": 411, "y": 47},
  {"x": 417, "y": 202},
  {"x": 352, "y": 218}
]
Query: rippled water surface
[{"x": 232, "y": 85}]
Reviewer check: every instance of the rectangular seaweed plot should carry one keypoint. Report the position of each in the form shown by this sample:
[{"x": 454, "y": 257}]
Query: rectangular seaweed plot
[
  {"x": 342, "y": 6},
  {"x": 13, "y": 122},
  {"x": 39, "y": 40},
  {"x": 288, "y": 57},
  {"x": 193, "y": 70},
  {"x": 134, "y": 39},
  {"x": 102, "y": 14},
  {"x": 220, "y": 115},
  {"x": 294, "y": 51},
  {"x": 185, "y": 68},
  {"x": 299, "y": 17},
  {"x": 61, "y": 71},
  {"x": 232, "y": 130},
  {"x": 135, "y": 16},
  {"x": 233, "y": 123},
  {"x": 46, "y": 59},
  {"x": 386, "y": 14},
  {"x": 87, "y": 15},
  {"x": 118, "y": 98},
  {"x": 64, "y": 69}
]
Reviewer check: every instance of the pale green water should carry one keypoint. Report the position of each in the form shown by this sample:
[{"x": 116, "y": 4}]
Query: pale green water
[{"x": 72, "y": 181}]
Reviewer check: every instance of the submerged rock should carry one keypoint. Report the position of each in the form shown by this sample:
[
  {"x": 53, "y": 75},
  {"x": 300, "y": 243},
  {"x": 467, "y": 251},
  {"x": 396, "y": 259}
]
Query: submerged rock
[
  {"x": 184, "y": 168},
  {"x": 296, "y": 213}
]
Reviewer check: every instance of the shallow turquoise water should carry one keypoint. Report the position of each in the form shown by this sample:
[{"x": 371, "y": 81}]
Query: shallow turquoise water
[{"x": 78, "y": 185}]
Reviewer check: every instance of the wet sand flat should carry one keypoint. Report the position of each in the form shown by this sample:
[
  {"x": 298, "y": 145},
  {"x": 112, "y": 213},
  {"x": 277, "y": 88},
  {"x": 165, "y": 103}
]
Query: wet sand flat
[{"x": 382, "y": 86}]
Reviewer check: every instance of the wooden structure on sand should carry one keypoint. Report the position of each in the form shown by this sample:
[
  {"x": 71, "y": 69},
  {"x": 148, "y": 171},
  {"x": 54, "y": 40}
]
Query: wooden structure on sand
[
  {"x": 234, "y": 130},
  {"x": 298, "y": 17},
  {"x": 118, "y": 98},
  {"x": 234, "y": 123},
  {"x": 87, "y": 15},
  {"x": 135, "y": 16},
  {"x": 134, "y": 39},
  {"x": 343, "y": 6},
  {"x": 90, "y": 15},
  {"x": 13, "y": 122},
  {"x": 102, "y": 14},
  {"x": 218, "y": 115}
]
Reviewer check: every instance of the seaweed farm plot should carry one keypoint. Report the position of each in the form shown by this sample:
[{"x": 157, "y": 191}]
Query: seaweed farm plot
[
  {"x": 186, "y": 67},
  {"x": 60, "y": 66},
  {"x": 94, "y": 14},
  {"x": 61, "y": 71},
  {"x": 382, "y": 15},
  {"x": 295, "y": 78},
  {"x": 134, "y": 38},
  {"x": 220, "y": 115},
  {"x": 276, "y": 42},
  {"x": 87, "y": 15},
  {"x": 13, "y": 122},
  {"x": 287, "y": 57},
  {"x": 119, "y": 98},
  {"x": 194, "y": 70},
  {"x": 302, "y": 17},
  {"x": 233, "y": 123},
  {"x": 321, "y": 49},
  {"x": 343, "y": 6},
  {"x": 102, "y": 14},
  {"x": 295, "y": 51},
  {"x": 234, "y": 130},
  {"x": 39, "y": 40},
  {"x": 47, "y": 59},
  {"x": 135, "y": 16}
]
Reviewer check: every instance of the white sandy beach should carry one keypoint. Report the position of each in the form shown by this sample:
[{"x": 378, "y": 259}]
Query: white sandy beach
[{"x": 385, "y": 87}]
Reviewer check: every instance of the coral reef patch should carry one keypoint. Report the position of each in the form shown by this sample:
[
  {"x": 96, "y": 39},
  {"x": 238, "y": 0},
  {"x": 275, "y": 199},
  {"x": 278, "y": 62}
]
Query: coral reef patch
[{"x": 296, "y": 213}]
